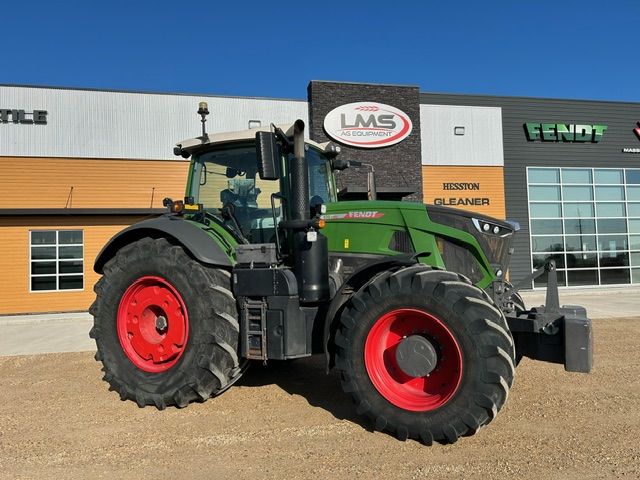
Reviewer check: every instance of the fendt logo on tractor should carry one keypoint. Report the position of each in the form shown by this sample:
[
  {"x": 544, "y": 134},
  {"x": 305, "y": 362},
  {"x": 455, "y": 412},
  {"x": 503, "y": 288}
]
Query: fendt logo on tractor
[{"x": 367, "y": 125}]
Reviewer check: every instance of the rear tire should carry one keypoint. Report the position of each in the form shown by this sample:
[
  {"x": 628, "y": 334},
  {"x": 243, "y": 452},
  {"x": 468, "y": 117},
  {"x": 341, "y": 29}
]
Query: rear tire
[
  {"x": 166, "y": 326},
  {"x": 417, "y": 309}
]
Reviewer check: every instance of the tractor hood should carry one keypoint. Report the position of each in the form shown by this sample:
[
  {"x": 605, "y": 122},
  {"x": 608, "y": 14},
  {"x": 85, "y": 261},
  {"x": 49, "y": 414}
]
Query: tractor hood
[
  {"x": 475, "y": 245},
  {"x": 494, "y": 236}
]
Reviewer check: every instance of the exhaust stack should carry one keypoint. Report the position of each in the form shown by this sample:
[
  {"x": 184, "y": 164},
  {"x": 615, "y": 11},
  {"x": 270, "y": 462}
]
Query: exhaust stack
[
  {"x": 310, "y": 248},
  {"x": 299, "y": 175}
]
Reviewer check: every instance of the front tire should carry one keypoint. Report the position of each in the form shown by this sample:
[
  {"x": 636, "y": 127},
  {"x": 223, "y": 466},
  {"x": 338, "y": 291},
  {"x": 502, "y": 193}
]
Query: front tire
[
  {"x": 515, "y": 305},
  {"x": 166, "y": 326},
  {"x": 425, "y": 354}
]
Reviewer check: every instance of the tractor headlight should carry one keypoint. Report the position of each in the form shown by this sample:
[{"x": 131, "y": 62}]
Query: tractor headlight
[{"x": 484, "y": 226}]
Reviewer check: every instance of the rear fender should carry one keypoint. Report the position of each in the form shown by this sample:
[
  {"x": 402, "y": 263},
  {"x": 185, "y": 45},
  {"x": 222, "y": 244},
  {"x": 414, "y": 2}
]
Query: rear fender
[{"x": 195, "y": 240}]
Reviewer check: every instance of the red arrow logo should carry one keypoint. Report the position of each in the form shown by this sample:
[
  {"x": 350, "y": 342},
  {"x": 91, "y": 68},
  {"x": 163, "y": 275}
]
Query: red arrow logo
[{"x": 637, "y": 130}]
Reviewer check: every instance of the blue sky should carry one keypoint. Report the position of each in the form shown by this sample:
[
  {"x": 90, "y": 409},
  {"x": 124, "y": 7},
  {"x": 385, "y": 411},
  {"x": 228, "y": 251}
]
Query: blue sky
[{"x": 578, "y": 49}]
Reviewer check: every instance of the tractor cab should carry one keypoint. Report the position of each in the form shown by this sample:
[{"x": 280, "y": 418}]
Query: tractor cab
[{"x": 224, "y": 177}]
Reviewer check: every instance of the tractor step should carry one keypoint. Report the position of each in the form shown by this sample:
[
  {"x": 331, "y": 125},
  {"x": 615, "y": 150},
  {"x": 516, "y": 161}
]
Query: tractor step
[{"x": 254, "y": 329}]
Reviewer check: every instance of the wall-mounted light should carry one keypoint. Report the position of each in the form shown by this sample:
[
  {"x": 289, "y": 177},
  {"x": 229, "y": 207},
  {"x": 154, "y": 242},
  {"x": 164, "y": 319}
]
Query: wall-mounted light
[{"x": 458, "y": 130}]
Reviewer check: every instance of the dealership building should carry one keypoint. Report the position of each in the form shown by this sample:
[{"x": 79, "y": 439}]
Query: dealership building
[{"x": 79, "y": 165}]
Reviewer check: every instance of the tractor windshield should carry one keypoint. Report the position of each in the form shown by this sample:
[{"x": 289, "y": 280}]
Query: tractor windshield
[
  {"x": 229, "y": 175},
  {"x": 321, "y": 187}
]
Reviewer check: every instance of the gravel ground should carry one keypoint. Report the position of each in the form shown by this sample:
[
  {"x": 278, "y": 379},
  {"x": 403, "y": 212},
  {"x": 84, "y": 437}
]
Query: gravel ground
[{"x": 58, "y": 420}]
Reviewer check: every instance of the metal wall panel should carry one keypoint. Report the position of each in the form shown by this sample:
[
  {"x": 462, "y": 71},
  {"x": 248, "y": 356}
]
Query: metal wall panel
[
  {"x": 479, "y": 145},
  {"x": 132, "y": 125},
  {"x": 620, "y": 117}
]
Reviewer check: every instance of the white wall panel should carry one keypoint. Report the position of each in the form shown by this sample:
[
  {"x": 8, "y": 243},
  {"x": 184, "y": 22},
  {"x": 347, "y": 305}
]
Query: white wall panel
[
  {"x": 481, "y": 144},
  {"x": 107, "y": 124}
]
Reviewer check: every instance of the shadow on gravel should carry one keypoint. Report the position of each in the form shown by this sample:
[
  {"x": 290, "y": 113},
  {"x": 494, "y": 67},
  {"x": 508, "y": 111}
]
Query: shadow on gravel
[{"x": 307, "y": 377}]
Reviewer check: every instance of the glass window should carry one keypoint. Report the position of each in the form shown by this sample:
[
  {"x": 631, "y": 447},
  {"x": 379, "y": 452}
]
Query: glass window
[
  {"x": 547, "y": 243},
  {"x": 43, "y": 238},
  {"x": 582, "y": 260},
  {"x": 633, "y": 193},
  {"x": 75, "y": 266},
  {"x": 613, "y": 225},
  {"x": 43, "y": 268},
  {"x": 580, "y": 210},
  {"x": 43, "y": 253},
  {"x": 70, "y": 252},
  {"x": 539, "y": 192},
  {"x": 57, "y": 260},
  {"x": 583, "y": 193},
  {"x": 581, "y": 243},
  {"x": 546, "y": 210},
  {"x": 615, "y": 276},
  {"x": 43, "y": 284},
  {"x": 613, "y": 176},
  {"x": 579, "y": 225},
  {"x": 582, "y": 277},
  {"x": 319, "y": 178},
  {"x": 546, "y": 227},
  {"x": 544, "y": 175},
  {"x": 611, "y": 209},
  {"x": 588, "y": 221},
  {"x": 612, "y": 242},
  {"x": 70, "y": 237},
  {"x": 540, "y": 259},
  {"x": 633, "y": 177},
  {"x": 72, "y": 282},
  {"x": 576, "y": 175},
  {"x": 609, "y": 193},
  {"x": 229, "y": 175},
  {"x": 614, "y": 259}
]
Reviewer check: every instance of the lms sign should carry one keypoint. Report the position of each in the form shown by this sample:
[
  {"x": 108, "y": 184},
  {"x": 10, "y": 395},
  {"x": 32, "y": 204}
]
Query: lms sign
[{"x": 367, "y": 125}]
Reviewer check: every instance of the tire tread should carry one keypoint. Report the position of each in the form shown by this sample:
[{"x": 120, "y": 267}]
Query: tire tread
[{"x": 485, "y": 323}]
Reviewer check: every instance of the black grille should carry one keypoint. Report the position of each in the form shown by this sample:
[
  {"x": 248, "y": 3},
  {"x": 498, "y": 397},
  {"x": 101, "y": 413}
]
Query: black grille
[{"x": 401, "y": 242}]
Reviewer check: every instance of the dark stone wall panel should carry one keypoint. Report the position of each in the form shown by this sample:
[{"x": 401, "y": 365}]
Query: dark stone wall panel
[{"x": 398, "y": 165}]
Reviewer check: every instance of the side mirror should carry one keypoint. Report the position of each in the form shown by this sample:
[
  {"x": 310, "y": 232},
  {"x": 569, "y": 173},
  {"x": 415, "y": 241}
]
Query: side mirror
[
  {"x": 343, "y": 164},
  {"x": 332, "y": 150},
  {"x": 268, "y": 156}
]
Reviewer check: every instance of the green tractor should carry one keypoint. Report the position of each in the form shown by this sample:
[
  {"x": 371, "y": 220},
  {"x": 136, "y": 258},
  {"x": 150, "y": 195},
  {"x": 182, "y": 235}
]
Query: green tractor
[{"x": 262, "y": 262}]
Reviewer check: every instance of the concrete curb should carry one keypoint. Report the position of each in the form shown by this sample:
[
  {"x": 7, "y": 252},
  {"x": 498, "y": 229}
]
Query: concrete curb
[{"x": 40, "y": 318}]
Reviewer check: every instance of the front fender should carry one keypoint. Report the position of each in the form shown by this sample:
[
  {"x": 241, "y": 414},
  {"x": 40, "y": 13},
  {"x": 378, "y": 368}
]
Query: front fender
[
  {"x": 198, "y": 243},
  {"x": 350, "y": 286}
]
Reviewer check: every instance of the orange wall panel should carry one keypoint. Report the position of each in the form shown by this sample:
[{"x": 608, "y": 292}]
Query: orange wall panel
[
  {"x": 91, "y": 183},
  {"x": 476, "y": 189},
  {"x": 15, "y": 297}
]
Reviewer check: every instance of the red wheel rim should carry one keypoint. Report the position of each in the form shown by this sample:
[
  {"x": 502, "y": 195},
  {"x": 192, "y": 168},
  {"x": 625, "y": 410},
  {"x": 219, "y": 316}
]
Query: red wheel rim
[
  {"x": 418, "y": 394},
  {"x": 152, "y": 324}
]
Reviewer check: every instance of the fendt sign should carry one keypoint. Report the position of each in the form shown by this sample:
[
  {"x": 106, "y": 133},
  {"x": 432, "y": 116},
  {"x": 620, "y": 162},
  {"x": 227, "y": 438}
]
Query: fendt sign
[
  {"x": 367, "y": 125},
  {"x": 12, "y": 115},
  {"x": 559, "y": 132}
]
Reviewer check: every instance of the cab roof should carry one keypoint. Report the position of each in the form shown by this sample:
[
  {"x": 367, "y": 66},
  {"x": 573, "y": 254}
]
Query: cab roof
[{"x": 194, "y": 144}]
